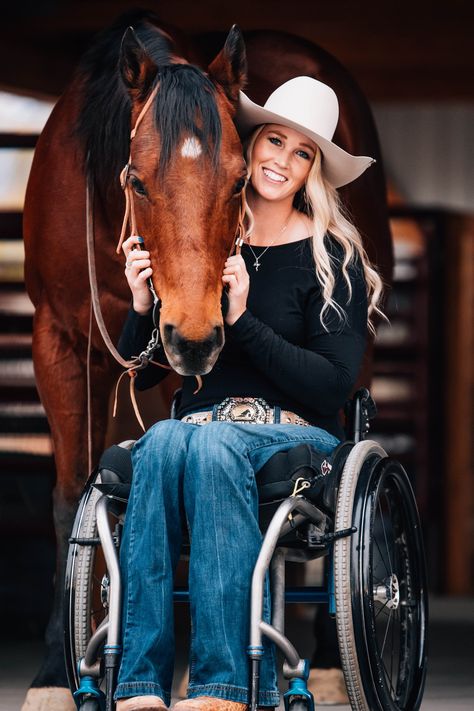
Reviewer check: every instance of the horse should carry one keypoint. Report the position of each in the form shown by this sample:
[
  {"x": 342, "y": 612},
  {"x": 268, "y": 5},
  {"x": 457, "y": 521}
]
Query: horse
[{"x": 184, "y": 178}]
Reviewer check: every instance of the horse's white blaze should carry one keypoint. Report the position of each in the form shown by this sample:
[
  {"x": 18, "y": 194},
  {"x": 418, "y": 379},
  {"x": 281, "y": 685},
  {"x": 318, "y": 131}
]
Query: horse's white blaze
[{"x": 191, "y": 148}]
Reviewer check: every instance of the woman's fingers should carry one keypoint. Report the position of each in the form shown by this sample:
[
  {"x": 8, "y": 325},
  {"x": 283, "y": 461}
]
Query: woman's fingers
[
  {"x": 130, "y": 244},
  {"x": 235, "y": 265},
  {"x": 136, "y": 256},
  {"x": 136, "y": 263},
  {"x": 235, "y": 260},
  {"x": 142, "y": 276}
]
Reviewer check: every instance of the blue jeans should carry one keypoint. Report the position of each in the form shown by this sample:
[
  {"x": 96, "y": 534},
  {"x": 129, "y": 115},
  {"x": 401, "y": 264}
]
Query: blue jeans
[{"x": 207, "y": 474}]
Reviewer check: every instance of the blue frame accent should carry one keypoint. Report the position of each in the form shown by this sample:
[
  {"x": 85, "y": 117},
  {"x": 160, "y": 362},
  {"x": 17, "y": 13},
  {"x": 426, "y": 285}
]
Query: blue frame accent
[
  {"x": 89, "y": 686},
  {"x": 255, "y": 652},
  {"x": 113, "y": 649},
  {"x": 298, "y": 688}
]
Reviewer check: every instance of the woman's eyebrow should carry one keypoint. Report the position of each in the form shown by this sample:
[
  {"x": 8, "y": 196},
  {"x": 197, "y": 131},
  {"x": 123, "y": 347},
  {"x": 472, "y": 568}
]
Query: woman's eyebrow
[{"x": 282, "y": 135}]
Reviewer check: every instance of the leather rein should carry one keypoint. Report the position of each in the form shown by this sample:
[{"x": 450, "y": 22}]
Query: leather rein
[{"x": 129, "y": 220}]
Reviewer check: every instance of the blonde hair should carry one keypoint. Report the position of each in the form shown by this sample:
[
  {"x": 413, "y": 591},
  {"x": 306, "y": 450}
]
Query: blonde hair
[{"x": 322, "y": 203}]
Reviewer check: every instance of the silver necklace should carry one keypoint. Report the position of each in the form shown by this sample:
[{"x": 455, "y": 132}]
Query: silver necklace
[{"x": 257, "y": 264}]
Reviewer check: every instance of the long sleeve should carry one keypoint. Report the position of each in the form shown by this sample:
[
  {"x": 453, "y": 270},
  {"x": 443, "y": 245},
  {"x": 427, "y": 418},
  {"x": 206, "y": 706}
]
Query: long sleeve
[{"x": 321, "y": 373}]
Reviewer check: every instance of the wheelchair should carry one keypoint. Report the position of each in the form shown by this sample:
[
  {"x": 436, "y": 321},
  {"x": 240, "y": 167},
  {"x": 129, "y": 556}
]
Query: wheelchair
[{"x": 365, "y": 524}]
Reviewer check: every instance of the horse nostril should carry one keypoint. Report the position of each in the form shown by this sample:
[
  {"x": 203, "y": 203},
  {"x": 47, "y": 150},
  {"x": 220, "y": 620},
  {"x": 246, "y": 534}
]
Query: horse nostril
[
  {"x": 169, "y": 333},
  {"x": 173, "y": 339}
]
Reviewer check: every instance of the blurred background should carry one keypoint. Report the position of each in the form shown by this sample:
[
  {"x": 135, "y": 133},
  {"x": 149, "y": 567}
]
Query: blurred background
[{"x": 414, "y": 62}]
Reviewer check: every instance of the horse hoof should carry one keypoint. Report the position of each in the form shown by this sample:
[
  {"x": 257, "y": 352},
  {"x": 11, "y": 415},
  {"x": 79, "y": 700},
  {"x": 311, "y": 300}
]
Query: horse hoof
[{"x": 51, "y": 698}]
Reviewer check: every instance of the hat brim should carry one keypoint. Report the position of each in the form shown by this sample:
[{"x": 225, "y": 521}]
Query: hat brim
[{"x": 338, "y": 166}]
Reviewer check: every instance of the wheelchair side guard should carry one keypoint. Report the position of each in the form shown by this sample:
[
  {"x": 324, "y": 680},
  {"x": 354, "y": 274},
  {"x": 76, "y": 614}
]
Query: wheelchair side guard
[{"x": 89, "y": 688}]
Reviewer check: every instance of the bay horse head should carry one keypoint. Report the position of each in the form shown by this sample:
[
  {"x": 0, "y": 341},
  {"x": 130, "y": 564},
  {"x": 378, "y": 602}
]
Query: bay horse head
[{"x": 185, "y": 177}]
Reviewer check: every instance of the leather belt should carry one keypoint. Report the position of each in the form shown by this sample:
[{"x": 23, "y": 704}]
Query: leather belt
[{"x": 246, "y": 410}]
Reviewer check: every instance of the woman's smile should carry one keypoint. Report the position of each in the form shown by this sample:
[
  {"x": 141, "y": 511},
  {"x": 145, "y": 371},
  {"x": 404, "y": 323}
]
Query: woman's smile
[{"x": 274, "y": 177}]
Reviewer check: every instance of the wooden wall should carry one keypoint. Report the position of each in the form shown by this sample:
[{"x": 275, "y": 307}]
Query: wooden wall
[
  {"x": 459, "y": 403},
  {"x": 412, "y": 51}
]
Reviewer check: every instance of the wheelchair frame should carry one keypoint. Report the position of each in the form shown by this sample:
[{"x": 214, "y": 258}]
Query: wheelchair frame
[{"x": 374, "y": 498}]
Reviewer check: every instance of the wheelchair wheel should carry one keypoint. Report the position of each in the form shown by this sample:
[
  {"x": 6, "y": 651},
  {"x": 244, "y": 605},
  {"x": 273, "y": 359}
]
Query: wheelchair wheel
[
  {"x": 86, "y": 590},
  {"x": 380, "y": 584}
]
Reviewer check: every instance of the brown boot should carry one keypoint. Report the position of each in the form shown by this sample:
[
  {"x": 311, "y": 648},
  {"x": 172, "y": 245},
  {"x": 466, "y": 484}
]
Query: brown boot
[
  {"x": 208, "y": 703},
  {"x": 141, "y": 703},
  {"x": 328, "y": 687}
]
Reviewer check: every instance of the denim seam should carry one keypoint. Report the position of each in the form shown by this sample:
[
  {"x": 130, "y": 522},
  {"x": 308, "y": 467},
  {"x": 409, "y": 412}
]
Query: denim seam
[
  {"x": 302, "y": 437},
  {"x": 130, "y": 608},
  {"x": 285, "y": 440},
  {"x": 220, "y": 575},
  {"x": 135, "y": 688},
  {"x": 270, "y": 697}
]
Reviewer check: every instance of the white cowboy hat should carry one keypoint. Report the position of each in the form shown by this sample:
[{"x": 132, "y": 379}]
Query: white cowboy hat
[{"x": 311, "y": 107}]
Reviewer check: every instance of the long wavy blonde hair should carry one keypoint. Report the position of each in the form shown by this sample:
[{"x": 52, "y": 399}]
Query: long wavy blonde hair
[{"x": 321, "y": 202}]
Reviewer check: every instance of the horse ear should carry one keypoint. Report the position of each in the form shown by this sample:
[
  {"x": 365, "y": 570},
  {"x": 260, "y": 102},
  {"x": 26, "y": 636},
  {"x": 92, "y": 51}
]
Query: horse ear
[
  {"x": 137, "y": 68},
  {"x": 229, "y": 68}
]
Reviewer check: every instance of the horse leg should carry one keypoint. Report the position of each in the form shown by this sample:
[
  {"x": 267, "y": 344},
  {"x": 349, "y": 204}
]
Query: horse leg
[{"x": 61, "y": 378}]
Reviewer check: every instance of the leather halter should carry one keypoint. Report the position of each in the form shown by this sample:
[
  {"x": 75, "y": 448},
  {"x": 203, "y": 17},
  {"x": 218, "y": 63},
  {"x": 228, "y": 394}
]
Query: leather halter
[{"x": 129, "y": 216}]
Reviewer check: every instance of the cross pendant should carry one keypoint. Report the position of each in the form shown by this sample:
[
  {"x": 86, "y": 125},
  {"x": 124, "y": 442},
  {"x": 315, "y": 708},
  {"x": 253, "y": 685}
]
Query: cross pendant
[{"x": 256, "y": 264}]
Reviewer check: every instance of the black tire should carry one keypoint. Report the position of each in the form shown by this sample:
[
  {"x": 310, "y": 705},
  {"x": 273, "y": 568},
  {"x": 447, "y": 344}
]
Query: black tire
[
  {"x": 380, "y": 584},
  {"x": 86, "y": 603}
]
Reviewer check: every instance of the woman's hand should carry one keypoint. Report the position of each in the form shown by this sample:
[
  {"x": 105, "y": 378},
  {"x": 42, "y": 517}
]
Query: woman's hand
[
  {"x": 138, "y": 270},
  {"x": 236, "y": 276}
]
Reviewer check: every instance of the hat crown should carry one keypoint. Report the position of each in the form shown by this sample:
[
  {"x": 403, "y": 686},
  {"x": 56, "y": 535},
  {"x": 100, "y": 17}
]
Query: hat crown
[{"x": 308, "y": 102}]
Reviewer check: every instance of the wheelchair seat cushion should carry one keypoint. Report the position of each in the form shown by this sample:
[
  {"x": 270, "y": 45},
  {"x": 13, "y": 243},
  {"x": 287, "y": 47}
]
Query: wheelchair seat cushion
[
  {"x": 277, "y": 478},
  {"x": 115, "y": 468}
]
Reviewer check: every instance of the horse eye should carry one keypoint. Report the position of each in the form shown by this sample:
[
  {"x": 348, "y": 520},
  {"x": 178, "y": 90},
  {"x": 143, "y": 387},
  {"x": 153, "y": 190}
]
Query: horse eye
[
  {"x": 239, "y": 186},
  {"x": 138, "y": 186}
]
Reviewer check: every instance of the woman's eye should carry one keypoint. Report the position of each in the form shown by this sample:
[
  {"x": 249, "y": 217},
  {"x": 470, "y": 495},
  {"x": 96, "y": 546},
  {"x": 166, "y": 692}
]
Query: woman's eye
[
  {"x": 303, "y": 154},
  {"x": 239, "y": 186},
  {"x": 276, "y": 141},
  {"x": 138, "y": 186}
]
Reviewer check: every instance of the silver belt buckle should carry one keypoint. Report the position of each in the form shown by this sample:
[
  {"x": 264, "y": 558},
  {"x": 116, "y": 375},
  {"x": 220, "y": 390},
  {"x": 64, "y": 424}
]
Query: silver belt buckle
[{"x": 244, "y": 410}]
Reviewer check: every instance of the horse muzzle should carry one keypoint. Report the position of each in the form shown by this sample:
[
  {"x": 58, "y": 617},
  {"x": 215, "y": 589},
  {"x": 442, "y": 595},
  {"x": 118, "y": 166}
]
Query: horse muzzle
[{"x": 192, "y": 357}]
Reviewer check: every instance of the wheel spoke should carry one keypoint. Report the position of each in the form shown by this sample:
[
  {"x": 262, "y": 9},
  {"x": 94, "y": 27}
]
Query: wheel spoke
[
  {"x": 383, "y": 610},
  {"x": 381, "y": 556},
  {"x": 391, "y": 656},
  {"x": 386, "y": 631}
]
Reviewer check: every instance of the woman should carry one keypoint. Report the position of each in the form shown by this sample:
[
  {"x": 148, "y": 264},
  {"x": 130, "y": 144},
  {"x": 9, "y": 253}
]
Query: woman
[{"x": 299, "y": 296}]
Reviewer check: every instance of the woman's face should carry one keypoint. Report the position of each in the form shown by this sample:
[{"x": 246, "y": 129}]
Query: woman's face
[{"x": 281, "y": 161}]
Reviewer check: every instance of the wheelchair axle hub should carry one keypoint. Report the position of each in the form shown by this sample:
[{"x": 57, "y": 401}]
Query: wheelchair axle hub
[{"x": 388, "y": 592}]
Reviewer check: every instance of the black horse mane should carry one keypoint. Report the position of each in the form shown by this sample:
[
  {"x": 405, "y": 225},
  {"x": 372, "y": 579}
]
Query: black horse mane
[{"x": 185, "y": 95}]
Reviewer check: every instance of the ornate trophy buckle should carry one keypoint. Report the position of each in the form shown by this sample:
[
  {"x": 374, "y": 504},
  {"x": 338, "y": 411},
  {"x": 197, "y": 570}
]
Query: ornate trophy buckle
[{"x": 244, "y": 410}]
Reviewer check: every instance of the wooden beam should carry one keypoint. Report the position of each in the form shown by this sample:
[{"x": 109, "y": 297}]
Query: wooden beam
[
  {"x": 459, "y": 405},
  {"x": 404, "y": 51}
]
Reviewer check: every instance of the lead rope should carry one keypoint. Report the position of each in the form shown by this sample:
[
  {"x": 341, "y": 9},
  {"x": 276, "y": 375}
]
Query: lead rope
[{"x": 131, "y": 366}]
